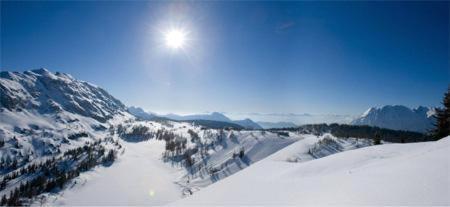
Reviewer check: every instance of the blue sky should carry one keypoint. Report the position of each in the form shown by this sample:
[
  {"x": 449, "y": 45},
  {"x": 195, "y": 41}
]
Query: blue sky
[{"x": 240, "y": 57}]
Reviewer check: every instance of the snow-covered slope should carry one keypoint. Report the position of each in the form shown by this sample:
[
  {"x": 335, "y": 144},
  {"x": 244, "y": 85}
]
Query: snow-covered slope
[
  {"x": 55, "y": 119},
  {"x": 41, "y": 112},
  {"x": 224, "y": 158},
  {"x": 149, "y": 173},
  {"x": 138, "y": 178},
  {"x": 398, "y": 117},
  {"x": 388, "y": 174}
]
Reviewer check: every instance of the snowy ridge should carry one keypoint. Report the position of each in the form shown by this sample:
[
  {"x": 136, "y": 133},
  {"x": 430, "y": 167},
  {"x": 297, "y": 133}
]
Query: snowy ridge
[
  {"x": 224, "y": 158},
  {"x": 49, "y": 92}
]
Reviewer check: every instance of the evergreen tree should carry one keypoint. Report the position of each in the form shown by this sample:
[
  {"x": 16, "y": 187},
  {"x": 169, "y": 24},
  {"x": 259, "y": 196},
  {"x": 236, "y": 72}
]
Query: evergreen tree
[
  {"x": 377, "y": 139},
  {"x": 443, "y": 118},
  {"x": 241, "y": 153}
]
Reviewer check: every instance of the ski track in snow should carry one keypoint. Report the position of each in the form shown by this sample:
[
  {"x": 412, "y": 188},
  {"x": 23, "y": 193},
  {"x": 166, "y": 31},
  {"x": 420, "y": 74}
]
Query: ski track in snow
[{"x": 138, "y": 178}]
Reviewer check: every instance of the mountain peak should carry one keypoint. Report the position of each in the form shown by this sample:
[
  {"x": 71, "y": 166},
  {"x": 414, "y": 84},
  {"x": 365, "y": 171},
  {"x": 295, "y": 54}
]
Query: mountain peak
[
  {"x": 397, "y": 117},
  {"x": 41, "y": 71},
  {"x": 32, "y": 90}
]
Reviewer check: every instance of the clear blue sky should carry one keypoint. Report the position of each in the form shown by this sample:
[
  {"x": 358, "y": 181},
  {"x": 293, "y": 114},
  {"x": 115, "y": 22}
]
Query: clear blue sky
[{"x": 266, "y": 57}]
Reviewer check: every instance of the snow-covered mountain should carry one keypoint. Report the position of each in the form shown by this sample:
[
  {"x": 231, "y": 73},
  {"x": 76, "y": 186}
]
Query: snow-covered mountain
[
  {"x": 50, "y": 93},
  {"x": 398, "y": 117},
  {"x": 248, "y": 124},
  {"x": 276, "y": 125},
  {"x": 55, "y": 119},
  {"x": 42, "y": 113},
  {"x": 139, "y": 112}
]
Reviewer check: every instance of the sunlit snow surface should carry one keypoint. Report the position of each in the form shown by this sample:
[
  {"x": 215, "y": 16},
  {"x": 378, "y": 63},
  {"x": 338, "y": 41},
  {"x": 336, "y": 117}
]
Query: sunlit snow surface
[
  {"x": 389, "y": 174},
  {"x": 138, "y": 178}
]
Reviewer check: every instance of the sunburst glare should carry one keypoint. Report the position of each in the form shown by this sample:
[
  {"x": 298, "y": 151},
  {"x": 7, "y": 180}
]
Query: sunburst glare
[{"x": 175, "y": 38}]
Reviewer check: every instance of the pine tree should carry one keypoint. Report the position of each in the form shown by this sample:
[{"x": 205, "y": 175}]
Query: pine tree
[
  {"x": 241, "y": 153},
  {"x": 443, "y": 118},
  {"x": 377, "y": 139}
]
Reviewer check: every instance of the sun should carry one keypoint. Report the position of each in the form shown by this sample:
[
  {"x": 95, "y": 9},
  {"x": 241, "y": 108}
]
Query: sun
[{"x": 175, "y": 38}]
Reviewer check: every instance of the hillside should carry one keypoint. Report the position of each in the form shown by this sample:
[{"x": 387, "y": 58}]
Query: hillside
[{"x": 390, "y": 174}]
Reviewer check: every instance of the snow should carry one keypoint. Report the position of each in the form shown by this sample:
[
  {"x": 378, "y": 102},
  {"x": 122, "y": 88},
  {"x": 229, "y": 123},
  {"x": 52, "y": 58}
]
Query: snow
[
  {"x": 389, "y": 174},
  {"x": 256, "y": 146},
  {"x": 40, "y": 110},
  {"x": 138, "y": 178}
]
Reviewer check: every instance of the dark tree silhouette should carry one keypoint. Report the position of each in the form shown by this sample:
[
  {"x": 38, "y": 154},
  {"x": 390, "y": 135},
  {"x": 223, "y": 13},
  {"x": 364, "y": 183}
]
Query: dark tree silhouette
[
  {"x": 377, "y": 139},
  {"x": 443, "y": 118}
]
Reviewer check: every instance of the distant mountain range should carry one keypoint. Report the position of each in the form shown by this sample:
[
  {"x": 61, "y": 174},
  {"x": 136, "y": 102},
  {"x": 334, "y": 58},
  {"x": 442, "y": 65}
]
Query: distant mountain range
[
  {"x": 214, "y": 116},
  {"x": 214, "y": 119},
  {"x": 398, "y": 117},
  {"x": 395, "y": 117},
  {"x": 276, "y": 125},
  {"x": 287, "y": 119}
]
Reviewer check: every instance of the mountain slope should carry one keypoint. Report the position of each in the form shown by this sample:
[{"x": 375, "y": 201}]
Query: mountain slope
[
  {"x": 248, "y": 124},
  {"x": 389, "y": 174},
  {"x": 42, "y": 107},
  {"x": 48, "y": 92},
  {"x": 139, "y": 112},
  {"x": 53, "y": 124},
  {"x": 398, "y": 117}
]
